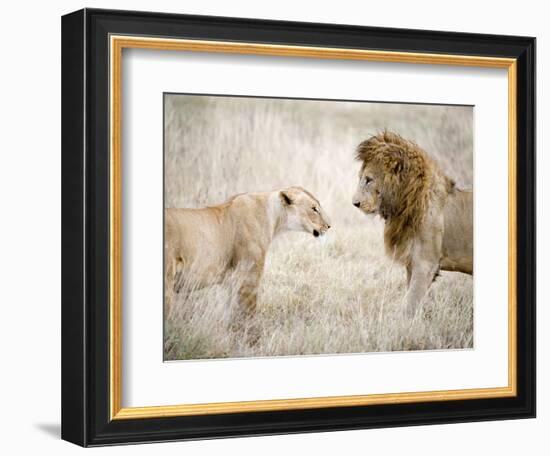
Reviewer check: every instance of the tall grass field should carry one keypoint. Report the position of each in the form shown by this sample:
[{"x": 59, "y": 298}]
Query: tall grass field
[{"x": 340, "y": 294}]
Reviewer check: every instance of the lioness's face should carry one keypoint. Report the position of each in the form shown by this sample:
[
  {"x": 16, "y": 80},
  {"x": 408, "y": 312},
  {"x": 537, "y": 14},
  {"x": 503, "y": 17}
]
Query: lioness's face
[
  {"x": 304, "y": 212},
  {"x": 367, "y": 195}
]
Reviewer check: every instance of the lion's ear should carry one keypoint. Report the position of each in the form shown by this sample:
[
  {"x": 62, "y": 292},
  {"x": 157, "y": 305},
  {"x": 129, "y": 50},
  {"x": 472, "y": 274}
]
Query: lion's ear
[
  {"x": 285, "y": 198},
  {"x": 397, "y": 165}
]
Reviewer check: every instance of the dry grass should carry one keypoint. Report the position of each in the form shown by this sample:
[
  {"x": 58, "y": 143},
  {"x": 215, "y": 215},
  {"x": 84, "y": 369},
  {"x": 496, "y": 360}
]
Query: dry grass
[{"x": 340, "y": 296}]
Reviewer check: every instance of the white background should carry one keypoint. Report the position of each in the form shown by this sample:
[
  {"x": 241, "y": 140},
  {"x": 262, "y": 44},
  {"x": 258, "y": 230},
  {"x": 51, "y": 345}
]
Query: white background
[
  {"x": 30, "y": 229},
  {"x": 148, "y": 73}
]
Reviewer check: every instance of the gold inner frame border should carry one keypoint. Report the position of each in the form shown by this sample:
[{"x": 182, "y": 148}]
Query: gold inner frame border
[{"x": 116, "y": 46}]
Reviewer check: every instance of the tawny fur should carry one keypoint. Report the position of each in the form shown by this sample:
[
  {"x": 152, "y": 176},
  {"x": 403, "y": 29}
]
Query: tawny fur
[
  {"x": 209, "y": 242},
  {"x": 428, "y": 221}
]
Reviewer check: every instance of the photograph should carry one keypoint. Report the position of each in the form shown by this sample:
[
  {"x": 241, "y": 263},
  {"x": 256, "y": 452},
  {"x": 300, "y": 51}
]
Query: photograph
[{"x": 315, "y": 227}]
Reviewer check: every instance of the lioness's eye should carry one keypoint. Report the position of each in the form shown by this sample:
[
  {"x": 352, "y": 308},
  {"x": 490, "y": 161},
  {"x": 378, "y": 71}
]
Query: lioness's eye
[{"x": 315, "y": 209}]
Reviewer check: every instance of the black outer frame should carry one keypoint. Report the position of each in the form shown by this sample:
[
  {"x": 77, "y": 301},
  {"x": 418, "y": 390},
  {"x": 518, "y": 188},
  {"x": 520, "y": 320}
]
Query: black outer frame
[{"x": 85, "y": 227}]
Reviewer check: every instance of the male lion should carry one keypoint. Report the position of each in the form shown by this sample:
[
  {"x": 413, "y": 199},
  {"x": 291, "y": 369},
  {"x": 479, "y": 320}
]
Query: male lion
[
  {"x": 235, "y": 236},
  {"x": 428, "y": 221}
]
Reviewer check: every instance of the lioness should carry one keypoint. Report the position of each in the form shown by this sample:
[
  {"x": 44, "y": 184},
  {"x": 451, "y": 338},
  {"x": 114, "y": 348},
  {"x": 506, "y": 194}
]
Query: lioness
[
  {"x": 428, "y": 220},
  {"x": 211, "y": 241}
]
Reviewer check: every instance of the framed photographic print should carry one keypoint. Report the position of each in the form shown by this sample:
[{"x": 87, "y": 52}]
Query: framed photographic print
[{"x": 279, "y": 227}]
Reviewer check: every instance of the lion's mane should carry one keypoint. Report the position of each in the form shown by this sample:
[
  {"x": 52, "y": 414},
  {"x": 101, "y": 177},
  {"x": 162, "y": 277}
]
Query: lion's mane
[{"x": 410, "y": 183}]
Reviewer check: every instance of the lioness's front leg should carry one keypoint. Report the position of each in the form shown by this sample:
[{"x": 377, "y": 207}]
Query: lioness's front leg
[
  {"x": 248, "y": 292},
  {"x": 251, "y": 266}
]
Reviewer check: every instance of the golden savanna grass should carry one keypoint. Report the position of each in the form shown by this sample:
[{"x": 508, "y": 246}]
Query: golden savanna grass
[{"x": 343, "y": 295}]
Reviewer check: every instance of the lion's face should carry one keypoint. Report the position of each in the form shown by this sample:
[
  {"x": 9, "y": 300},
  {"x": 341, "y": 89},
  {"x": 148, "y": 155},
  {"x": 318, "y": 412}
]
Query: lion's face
[
  {"x": 303, "y": 212},
  {"x": 367, "y": 195}
]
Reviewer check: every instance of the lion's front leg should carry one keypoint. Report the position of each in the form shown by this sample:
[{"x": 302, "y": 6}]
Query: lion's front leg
[
  {"x": 422, "y": 274},
  {"x": 421, "y": 271}
]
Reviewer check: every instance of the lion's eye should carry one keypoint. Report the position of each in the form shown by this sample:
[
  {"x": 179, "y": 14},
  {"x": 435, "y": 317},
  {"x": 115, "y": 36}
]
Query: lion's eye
[
  {"x": 368, "y": 180},
  {"x": 315, "y": 209}
]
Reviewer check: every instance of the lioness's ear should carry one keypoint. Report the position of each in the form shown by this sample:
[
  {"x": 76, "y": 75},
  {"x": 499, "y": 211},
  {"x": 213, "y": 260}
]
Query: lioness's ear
[{"x": 285, "y": 199}]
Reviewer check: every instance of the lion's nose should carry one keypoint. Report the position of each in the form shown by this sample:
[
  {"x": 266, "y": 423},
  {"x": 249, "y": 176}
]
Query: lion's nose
[{"x": 356, "y": 204}]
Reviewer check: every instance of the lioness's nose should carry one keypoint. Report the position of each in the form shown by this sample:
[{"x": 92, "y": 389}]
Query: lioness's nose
[{"x": 356, "y": 203}]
